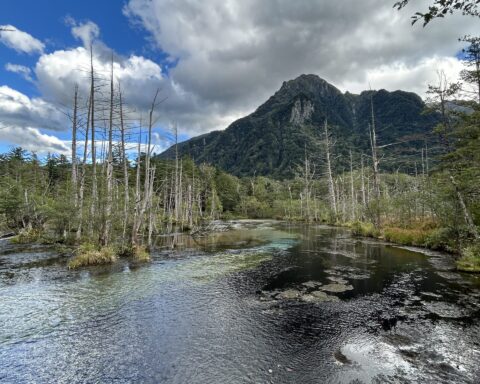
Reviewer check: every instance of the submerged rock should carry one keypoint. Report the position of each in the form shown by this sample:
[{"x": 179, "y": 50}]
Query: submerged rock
[
  {"x": 318, "y": 297},
  {"x": 335, "y": 287},
  {"x": 288, "y": 294},
  {"x": 311, "y": 284},
  {"x": 338, "y": 280}
]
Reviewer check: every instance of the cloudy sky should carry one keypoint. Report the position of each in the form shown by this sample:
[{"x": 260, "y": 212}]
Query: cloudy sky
[{"x": 214, "y": 61}]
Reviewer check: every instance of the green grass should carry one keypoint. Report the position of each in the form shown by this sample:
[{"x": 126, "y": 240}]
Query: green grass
[
  {"x": 470, "y": 259},
  {"x": 141, "y": 254},
  {"x": 88, "y": 254},
  {"x": 405, "y": 236}
]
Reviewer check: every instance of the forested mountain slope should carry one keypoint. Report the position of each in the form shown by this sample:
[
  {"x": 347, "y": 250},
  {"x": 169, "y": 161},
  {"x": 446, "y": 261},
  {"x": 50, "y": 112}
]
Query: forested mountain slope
[{"x": 272, "y": 141}]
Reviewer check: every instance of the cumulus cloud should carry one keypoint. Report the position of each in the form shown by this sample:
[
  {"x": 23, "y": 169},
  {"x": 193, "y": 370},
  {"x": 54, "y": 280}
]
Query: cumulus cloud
[
  {"x": 58, "y": 72},
  {"x": 18, "y": 110},
  {"x": 33, "y": 140},
  {"x": 22, "y": 70},
  {"x": 86, "y": 32},
  {"x": 233, "y": 54},
  {"x": 20, "y": 41}
]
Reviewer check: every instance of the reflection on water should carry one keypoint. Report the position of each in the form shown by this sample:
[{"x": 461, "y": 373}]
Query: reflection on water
[{"x": 252, "y": 302}]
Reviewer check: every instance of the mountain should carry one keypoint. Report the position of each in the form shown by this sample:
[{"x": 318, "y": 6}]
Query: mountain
[{"x": 273, "y": 140}]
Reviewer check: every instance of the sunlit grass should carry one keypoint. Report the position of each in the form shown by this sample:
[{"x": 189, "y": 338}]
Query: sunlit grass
[{"x": 87, "y": 255}]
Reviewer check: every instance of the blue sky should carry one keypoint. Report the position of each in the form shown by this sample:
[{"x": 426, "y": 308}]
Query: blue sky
[
  {"x": 214, "y": 61},
  {"x": 48, "y": 21}
]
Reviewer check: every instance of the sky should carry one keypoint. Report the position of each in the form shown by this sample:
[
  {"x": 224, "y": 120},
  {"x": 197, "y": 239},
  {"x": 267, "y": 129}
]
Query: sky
[{"x": 213, "y": 61}]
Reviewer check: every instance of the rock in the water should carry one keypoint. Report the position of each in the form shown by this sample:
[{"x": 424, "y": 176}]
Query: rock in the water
[
  {"x": 318, "y": 297},
  {"x": 288, "y": 294},
  {"x": 337, "y": 279},
  {"x": 311, "y": 284},
  {"x": 335, "y": 287}
]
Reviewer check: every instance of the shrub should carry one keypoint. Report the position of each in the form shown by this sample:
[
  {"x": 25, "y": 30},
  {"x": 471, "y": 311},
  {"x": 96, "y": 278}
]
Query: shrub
[
  {"x": 441, "y": 239},
  {"x": 28, "y": 236},
  {"x": 88, "y": 254},
  {"x": 141, "y": 254},
  {"x": 364, "y": 229},
  {"x": 470, "y": 259},
  {"x": 138, "y": 253}
]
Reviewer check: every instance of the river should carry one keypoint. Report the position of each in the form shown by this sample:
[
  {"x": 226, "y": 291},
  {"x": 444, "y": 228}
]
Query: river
[{"x": 256, "y": 302}]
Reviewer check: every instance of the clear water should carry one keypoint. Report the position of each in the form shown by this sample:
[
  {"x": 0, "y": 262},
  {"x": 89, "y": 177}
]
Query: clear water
[{"x": 207, "y": 310}]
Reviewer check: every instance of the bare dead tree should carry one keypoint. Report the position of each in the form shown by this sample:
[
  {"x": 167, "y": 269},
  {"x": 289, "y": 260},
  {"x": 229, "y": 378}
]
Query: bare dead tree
[{"x": 331, "y": 185}]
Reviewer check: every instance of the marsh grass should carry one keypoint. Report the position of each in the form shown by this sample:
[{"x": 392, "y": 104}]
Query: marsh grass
[
  {"x": 88, "y": 254},
  {"x": 406, "y": 236}
]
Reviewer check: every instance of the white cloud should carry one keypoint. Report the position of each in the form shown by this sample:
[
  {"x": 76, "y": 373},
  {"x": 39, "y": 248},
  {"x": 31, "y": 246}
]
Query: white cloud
[
  {"x": 58, "y": 72},
  {"x": 86, "y": 32},
  {"x": 22, "y": 70},
  {"x": 232, "y": 55},
  {"x": 19, "y": 110},
  {"x": 33, "y": 140},
  {"x": 20, "y": 41}
]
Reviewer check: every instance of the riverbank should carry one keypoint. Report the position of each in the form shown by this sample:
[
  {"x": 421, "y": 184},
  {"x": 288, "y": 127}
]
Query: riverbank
[{"x": 425, "y": 236}]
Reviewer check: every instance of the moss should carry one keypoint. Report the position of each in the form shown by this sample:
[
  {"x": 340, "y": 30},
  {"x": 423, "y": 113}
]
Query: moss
[
  {"x": 406, "y": 236},
  {"x": 88, "y": 254},
  {"x": 470, "y": 259}
]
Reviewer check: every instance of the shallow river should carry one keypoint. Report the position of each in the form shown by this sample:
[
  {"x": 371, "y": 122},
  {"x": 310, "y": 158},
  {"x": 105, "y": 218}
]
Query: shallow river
[{"x": 262, "y": 302}]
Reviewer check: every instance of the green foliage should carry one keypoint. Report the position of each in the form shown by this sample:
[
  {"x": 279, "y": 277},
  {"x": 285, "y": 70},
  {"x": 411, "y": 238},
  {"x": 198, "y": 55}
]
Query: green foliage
[
  {"x": 269, "y": 143},
  {"x": 470, "y": 259},
  {"x": 27, "y": 236},
  {"x": 364, "y": 229}
]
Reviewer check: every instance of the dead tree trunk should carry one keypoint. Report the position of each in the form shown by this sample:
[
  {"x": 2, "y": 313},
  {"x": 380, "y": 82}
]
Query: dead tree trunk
[
  {"x": 375, "y": 163},
  {"x": 93, "y": 150},
  {"x": 352, "y": 189},
  {"x": 108, "y": 205},
  {"x": 331, "y": 185},
  {"x": 125, "y": 166},
  {"x": 81, "y": 191},
  {"x": 74, "y": 148}
]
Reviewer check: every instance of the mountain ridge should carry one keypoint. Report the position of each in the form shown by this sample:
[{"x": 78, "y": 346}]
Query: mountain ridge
[{"x": 272, "y": 140}]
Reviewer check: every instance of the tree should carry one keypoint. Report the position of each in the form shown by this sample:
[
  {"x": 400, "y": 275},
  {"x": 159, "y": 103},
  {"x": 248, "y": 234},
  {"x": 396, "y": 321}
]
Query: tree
[
  {"x": 471, "y": 60},
  {"x": 442, "y": 8}
]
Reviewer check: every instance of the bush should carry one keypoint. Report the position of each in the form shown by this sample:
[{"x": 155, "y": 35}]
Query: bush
[
  {"x": 141, "y": 254},
  {"x": 364, "y": 229},
  {"x": 28, "y": 236},
  {"x": 138, "y": 253},
  {"x": 88, "y": 254},
  {"x": 441, "y": 239},
  {"x": 470, "y": 259}
]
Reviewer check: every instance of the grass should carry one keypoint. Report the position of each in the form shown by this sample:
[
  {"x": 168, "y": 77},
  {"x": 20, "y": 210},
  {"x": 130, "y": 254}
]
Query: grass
[
  {"x": 138, "y": 253},
  {"x": 88, "y": 254},
  {"x": 141, "y": 254},
  {"x": 405, "y": 236},
  {"x": 470, "y": 259}
]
